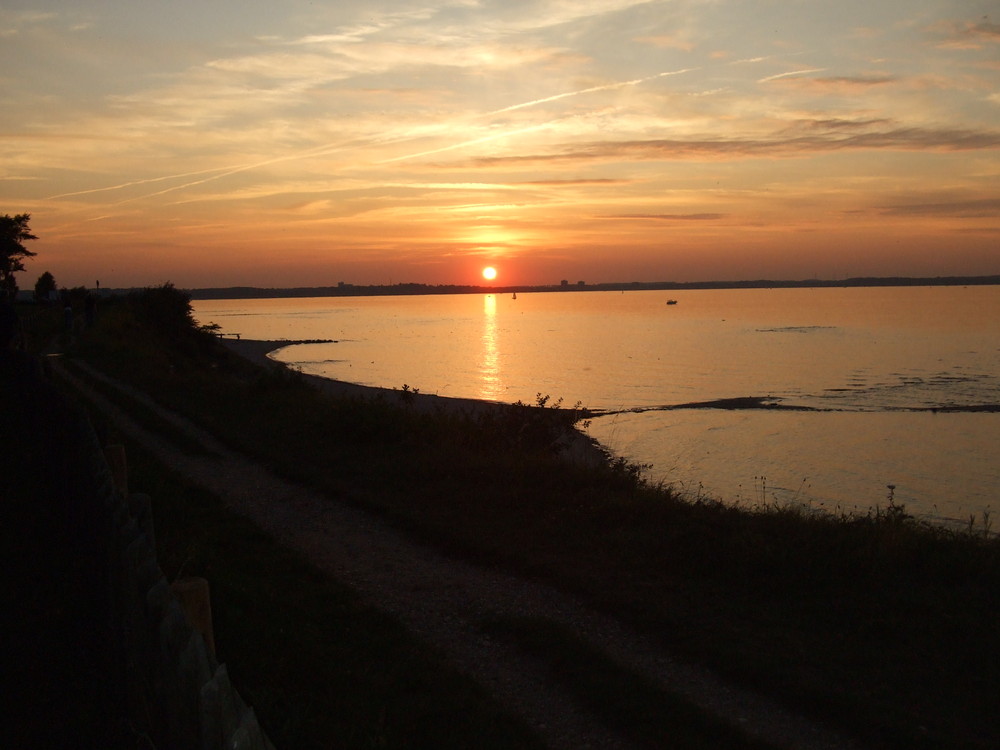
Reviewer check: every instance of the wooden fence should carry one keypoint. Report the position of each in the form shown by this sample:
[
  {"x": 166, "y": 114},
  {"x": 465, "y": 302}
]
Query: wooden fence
[{"x": 179, "y": 697}]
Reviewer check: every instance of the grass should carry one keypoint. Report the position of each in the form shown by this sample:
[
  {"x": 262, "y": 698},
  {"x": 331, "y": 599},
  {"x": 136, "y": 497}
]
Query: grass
[
  {"x": 320, "y": 667},
  {"x": 140, "y": 411},
  {"x": 881, "y": 625}
]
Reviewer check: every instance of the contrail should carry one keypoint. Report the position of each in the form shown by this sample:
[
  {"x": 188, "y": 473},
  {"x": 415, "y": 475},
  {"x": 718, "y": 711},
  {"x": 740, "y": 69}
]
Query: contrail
[
  {"x": 221, "y": 172},
  {"x": 522, "y": 105},
  {"x": 130, "y": 184},
  {"x": 605, "y": 87},
  {"x": 328, "y": 148},
  {"x": 216, "y": 174},
  {"x": 230, "y": 171}
]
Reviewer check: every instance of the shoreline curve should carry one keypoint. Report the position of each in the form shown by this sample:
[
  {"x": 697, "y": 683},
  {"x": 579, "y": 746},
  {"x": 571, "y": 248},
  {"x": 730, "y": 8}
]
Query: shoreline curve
[{"x": 575, "y": 445}]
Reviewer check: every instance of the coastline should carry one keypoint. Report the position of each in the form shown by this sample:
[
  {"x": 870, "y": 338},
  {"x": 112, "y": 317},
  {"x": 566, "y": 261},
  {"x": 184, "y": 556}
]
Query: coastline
[
  {"x": 407, "y": 289},
  {"x": 259, "y": 352},
  {"x": 576, "y": 446}
]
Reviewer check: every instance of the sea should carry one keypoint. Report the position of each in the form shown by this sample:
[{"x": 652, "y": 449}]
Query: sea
[{"x": 843, "y": 399}]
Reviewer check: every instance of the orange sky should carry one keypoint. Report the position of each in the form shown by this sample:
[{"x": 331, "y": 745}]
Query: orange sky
[{"x": 239, "y": 143}]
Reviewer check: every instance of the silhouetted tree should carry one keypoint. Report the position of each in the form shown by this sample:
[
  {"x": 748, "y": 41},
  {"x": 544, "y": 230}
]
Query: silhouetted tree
[
  {"x": 14, "y": 231},
  {"x": 165, "y": 308},
  {"x": 44, "y": 287}
]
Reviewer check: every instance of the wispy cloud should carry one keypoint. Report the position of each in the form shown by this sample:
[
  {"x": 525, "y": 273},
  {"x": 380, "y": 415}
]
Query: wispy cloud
[
  {"x": 790, "y": 74},
  {"x": 668, "y": 217},
  {"x": 967, "y": 34},
  {"x": 376, "y": 23},
  {"x": 546, "y": 14},
  {"x": 858, "y": 83},
  {"x": 781, "y": 144},
  {"x": 28, "y": 17},
  {"x": 668, "y": 41},
  {"x": 605, "y": 181},
  {"x": 470, "y": 142},
  {"x": 968, "y": 209}
]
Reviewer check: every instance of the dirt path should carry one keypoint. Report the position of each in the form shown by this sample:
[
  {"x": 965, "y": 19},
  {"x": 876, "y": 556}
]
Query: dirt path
[{"x": 444, "y": 600}]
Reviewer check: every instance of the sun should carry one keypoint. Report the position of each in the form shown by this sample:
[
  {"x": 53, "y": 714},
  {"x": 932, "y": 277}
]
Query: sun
[{"x": 489, "y": 273}]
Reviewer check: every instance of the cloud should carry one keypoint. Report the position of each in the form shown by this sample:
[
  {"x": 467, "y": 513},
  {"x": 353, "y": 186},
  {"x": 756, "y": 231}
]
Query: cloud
[
  {"x": 454, "y": 24},
  {"x": 845, "y": 84},
  {"x": 470, "y": 142},
  {"x": 970, "y": 209},
  {"x": 790, "y": 74},
  {"x": 668, "y": 217},
  {"x": 546, "y": 14},
  {"x": 562, "y": 183},
  {"x": 835, "y": 125},
  {"x": 668, "y": 41},
  {"x": 375, "y": 24},
  {"x": 341, "y": 60},
  {"x": 28, "y": 18},
  {"x": 803, "y": 138},
  {"x": 16, "y": 23},
  {"x": 967, "y": 34},
  {"x": 978, "y": 230}
]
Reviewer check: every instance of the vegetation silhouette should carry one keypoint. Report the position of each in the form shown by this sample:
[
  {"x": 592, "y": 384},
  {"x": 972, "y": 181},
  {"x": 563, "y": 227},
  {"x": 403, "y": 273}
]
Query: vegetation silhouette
[
  {"x": 45, "y": 287},
  {"x": 14, "y": 232}
]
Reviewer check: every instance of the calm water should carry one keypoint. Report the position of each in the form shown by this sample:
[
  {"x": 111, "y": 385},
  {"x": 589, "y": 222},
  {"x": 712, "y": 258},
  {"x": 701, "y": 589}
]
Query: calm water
[{"x": 866, "y": 357}]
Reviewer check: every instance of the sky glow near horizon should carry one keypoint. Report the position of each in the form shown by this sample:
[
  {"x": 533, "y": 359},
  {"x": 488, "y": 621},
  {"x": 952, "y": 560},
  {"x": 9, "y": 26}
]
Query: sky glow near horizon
[{"x": 243, "y": 143}]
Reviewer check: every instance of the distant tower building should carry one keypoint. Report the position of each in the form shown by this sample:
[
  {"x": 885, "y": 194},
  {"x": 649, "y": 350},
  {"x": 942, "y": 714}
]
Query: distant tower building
[{"x": 564, "y": 282}]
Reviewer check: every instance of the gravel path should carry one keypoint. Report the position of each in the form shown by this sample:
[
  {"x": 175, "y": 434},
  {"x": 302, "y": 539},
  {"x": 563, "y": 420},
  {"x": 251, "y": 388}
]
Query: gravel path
[{"x": 444, "y": 600}]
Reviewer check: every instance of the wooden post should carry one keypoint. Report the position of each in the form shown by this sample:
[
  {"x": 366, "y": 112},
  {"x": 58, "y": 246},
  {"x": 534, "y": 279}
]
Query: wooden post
[{"x": 192, "y": 593}]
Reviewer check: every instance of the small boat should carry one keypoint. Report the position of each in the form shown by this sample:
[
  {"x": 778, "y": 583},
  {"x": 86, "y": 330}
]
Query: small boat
[
  {"x": 515, "y": 296},
  {"x": 671, "y": 302}
]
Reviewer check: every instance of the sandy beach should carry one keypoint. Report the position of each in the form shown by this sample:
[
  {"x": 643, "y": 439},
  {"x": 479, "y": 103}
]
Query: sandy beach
[{"x": 259, "y": 353}]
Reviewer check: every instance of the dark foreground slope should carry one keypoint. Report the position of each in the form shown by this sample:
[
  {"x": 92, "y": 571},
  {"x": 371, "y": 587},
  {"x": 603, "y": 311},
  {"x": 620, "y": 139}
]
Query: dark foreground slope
[{"x": 878, "y": 625}]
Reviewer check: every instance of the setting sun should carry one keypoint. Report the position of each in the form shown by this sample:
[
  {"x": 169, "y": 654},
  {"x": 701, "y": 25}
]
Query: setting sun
[{"x": 489, "y": 273}]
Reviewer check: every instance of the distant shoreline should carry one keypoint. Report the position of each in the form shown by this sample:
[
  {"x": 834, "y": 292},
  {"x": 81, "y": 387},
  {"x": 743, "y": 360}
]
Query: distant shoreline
[
  {"x": 351, "y": 290},
  {"x": 412, "y": 289}
]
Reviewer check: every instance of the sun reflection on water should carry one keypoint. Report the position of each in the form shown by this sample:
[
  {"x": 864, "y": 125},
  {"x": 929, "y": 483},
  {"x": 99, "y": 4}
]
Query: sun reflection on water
[{"x": 490, "y": 387}]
